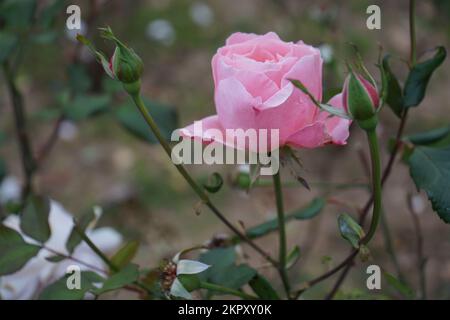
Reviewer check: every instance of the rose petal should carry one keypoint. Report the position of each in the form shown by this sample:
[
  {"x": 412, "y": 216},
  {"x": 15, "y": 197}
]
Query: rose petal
[
  {"x": 311, "y": 136},
  {"x": 337, "y": 128},
  {"x": 235, "y": 105}
]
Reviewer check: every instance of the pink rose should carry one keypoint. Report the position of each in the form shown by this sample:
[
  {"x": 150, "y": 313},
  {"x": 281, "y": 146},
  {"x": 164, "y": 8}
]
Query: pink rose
[{"x": 252, "y": 90}]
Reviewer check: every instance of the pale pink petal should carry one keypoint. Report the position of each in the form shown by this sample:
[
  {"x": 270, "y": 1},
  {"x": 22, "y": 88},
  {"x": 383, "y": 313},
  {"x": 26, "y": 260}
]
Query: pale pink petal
[
  {"x": 337, "y": 128},
  {"x": 311, "y": 136},
  {"x": 309, "y": 71},
  {"x": 235, "y": 105},
  {"x": 297, "y": 111},
  {"x": 239, "y": 37}
]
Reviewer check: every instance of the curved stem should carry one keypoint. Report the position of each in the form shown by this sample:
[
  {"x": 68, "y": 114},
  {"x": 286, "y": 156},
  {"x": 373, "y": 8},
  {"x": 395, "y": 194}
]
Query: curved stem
[
  {"x": 376, "y": 184},
  {"x": 197, "y": 189},
  {"x": 218, "y": 288},
  {"x": 281, "y": 232}
]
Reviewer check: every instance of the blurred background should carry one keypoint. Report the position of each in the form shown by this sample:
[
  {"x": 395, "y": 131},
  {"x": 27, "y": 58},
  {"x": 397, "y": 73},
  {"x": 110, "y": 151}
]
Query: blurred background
[{"x": 98, "y": 155}]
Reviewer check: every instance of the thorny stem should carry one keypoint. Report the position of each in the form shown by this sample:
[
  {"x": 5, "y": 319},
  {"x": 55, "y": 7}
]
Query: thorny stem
[
  {"x": 376, "y": 184},
  {"x": 387, "y": 171},
  {"x": 94, "y": 248},
  {"x": 104, "y": 258},
  {"x": 197, "y": 189},
  {"x": 281, "y": 232}
]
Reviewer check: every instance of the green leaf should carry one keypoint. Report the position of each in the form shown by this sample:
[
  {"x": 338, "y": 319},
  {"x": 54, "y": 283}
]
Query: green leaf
[
  {"x": 14, "y": 251},
  {"x": 130, "y": 118},
  {"x": 49, "y": 14},
  {"x": 263, "y": 288},
  {"x": 430, "y": 170},
  {"x": 8, "y": 42},
  {"x": 433, "y": 137},
  {"x": 18, "y": 14},
  {"x": 126, "y": 276},
  {"x": 84, "y": 106},
  {"x": 55, "y": 258},
  {"x": 308, "y": 212},
  {"x": 419, "y": 76},
  {"x": 292, "y": 257},
  {"x": 399, "y": 286},
  {"x": 218, "y": 259},
  {"x": 79, "y": 80},
  {"x": 334, "y": 111},
  {"x": 323, "y": 106},
  {"x": 74, "y": 238},
  {"x": 214, "y": 183},
  {"x": 34, "y": 219},
  {"x": 124, "y": 256},
  {"x": 234, "y": 276},
  {"x": 58, "y": 290},
  {"x": 3, "y": 169},
  {"x": 350, "y": 230},
  {"x": 223, "y": 270},
  {"x": 392, "y": 92}
]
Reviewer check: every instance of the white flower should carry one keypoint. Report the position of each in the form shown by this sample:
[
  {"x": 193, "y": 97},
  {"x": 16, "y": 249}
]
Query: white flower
[
  {"x": 71, "y": 34},
  {"x": 201, "y": 14},
  {"x": 38, "y": 273},
  {"x": 162, "y": 31},
  {"x": 9, "y": 189},
  {"x": 178, "y": 267},
  {"x": 327, "y": 52},
  {"x": 68, "y": 131}
]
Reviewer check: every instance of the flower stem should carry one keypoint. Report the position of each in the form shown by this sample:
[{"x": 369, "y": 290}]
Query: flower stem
[
  {"x": 94, "y": 248},
  {"x": 376, "y": 184},
  {"x": 218, "y": 288},
  {"x": 282, "y": 233},
  {"x": 104, "y": 258},
  {"x": 197, "y": 189}
]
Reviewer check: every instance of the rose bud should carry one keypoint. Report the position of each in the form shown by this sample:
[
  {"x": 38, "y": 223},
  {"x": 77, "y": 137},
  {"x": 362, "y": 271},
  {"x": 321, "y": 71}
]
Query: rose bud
[
  {"x": 361, "y": 100},
  {"x": 125, "y": 65}
]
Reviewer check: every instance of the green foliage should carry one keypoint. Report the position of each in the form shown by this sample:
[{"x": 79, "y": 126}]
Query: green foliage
[
  {"x": 430, "y": 170},
  {"x": 391, "y": 91},
  {"x": 18, "y": 14},
  {"x": 34, "y": 218},
  {"x": 74, "y": 238},
  {"x": 435, "y": 138},
  {"x": 419, "y": 76},
  {"x": 292, "y": 257},
  {"x": 8, "y": 42},
  {"x": 308, "y": 212},
  {"x": 224, "y": 271},
  {"x": 399, "y": 286},
  {"x": 124, "y": 256},
  {"x": 3, "y": 169},
  {"x": 126, "y": 276},
  {"x": 350, "y": 229},
  {"x": 60, "y": 291},
  {"x": 14, "y": 251},
  {"x": 84, "y": 106},
  {"x": 165, "y": 116},
  {"x": 263, "y": 289},
  {"x": 214, "y": 183}
]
